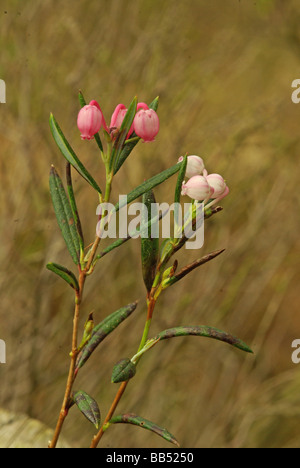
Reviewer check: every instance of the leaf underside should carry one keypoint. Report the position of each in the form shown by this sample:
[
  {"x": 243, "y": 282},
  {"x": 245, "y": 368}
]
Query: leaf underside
[
  {"x": 64, "y": 215},
  {"x": 103, "y": 329},
  {"x": 131, "y": 418},
  {"x": 88, "y": 407},
  {"x": 208, "y": 332}
]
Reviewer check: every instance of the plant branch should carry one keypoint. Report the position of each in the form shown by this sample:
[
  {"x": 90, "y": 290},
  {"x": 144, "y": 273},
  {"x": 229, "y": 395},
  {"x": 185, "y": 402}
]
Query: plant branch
[
  {"x": 71, "y": 376},
  {"x": 122, "y": 388}
]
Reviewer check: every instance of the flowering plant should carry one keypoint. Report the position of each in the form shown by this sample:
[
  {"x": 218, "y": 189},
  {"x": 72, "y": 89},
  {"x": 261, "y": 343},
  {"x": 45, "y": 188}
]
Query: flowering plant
[{"x": 159, "y": 268}]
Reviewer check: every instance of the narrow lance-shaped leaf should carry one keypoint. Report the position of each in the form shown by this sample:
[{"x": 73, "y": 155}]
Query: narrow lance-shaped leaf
[
  {"x": 122, "y": 135},
  {"x": 73, "y": 205},
  {"x": 64, "y": 215},
  {"x": 124, "y": 370},
  {"x": 102, "y": 330},
  {"x": 204, "y": 331},
  {"x": 149, "y": 239},
  {"x": 150, "y": 184},
  {"x": 64, "y": 273},
  {"x": 88, "y": 407},
  {"x": 69, "y": 153},
  {"x": 154, "y": 104},
  {"x": 130, "y": 145},
  {"x": 131, "y": 418},
  {"x": 82, "y": 102},
  {"x": 187, "y": 269},
  {"x": 178, "y": 189}
]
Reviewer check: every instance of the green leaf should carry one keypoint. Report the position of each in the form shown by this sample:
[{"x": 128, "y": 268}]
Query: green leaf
[
  {"x": 204, "y": 331},
  {"x": 82, "y": 103},
  {"x": 180, "y": 179},
  {"x": 127, "y": 149},
  {"x": 124, "y": 370},
  {"x": 103, "y": 329},
  {"x": 64, "y": 215},
  {"x": 154, "y": 104},
  {"x": 178, "y": 189},
  {"x": 129, "y": 146},
  {"x": 149, "y": 243},
  {"x": 64, "y": 273},
  {"x": 188, "y": 268},
  {"x": 69, "y": 153},
  {"x": 88, "y": 407},
  {"x": 122, "y": 135},
  {"x": 131, "y": 418},
  {"x": 73, "y": 205},
  {"x": 150, "y": 184}
]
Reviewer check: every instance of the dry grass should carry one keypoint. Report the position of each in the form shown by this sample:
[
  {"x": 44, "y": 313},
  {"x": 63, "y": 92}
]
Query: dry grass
[{"x": 223, "y": 71}]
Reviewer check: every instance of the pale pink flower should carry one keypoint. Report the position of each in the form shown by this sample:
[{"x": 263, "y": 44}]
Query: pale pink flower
[
  {"x": 197, "y": 188},
  {"x": 217, "y": 182},
  {"x": 195, "y": 165}
]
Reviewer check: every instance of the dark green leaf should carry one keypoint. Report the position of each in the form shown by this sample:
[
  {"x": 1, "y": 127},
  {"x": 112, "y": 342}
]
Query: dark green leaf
[
  {"x": 73, "y": 204},
  {"x": 187, "y": 269},
  {"x": 124, "y": 370},
  {"x": 131, "y": 418},
  {"x": 69, "y": 153},
  {"x": 96, "y": 136},
  {"x": 88, "y": 407},
  {"x": 150, "y": 184},
  {"x": 64, "y": 273},
  {"x": 207, "y": 332},
  {"x": 180, "y": 179},
  {"x": 149, "y": 239},
  {"x": 178, "y": 189},
  {"x": 122, "y": 135},
  {"x": 64, "y": 215},
  {"x": 126, "y": 152},
  {"x": 129, "y": 146},
  {"x": 103, "y": 329}
]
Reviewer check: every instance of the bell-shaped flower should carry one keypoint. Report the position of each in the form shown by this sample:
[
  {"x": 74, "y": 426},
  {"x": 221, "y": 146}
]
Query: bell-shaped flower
[
  {"x": 195, "y": 165},
  {"x": 146, "y": 124},
  {"x": 89, "y": 120},
  {"x": 197, "y": 188},
  {"x": 217, "y": 182}
]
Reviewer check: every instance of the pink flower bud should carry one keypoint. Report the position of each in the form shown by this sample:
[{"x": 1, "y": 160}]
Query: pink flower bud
[
  {"x": 217, "y": 183},
  {"x": 118, "y": 116},
  {"x": 89, "y": 120},
  {"x": 195, "y": 165},
  {"x": 146, "y": 124},
  {"x": 197, "y": 188}
]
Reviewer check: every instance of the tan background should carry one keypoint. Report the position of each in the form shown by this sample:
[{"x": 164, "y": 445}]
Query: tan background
[{"x": 223, "y": 71}]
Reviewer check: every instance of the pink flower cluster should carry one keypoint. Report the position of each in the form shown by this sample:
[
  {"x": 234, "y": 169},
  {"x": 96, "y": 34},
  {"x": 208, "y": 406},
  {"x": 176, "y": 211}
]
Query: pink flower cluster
[
  {"x": 145, "y": 123},
  {"x": 202, "y": 187}
]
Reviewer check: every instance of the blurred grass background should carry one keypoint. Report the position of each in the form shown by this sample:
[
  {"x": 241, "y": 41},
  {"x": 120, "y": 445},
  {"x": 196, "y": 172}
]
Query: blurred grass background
[{"x": 223, "y": 71}]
